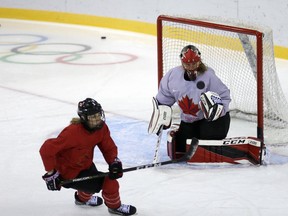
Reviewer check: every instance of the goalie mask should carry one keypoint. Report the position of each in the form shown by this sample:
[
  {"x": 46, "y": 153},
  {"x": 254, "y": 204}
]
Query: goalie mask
[
  {"x": 191, "y": 58},
  {"x": 91, "y": 114}
]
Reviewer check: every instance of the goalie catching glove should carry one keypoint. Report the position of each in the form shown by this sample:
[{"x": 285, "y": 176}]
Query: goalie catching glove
[
  {"x": 211, "y": 105},
  {"x": 161, "y": 117}
]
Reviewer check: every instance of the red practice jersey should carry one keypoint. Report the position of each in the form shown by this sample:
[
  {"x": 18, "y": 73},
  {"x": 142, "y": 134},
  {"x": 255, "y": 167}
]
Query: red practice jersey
[{"x": 73, "y": 150}]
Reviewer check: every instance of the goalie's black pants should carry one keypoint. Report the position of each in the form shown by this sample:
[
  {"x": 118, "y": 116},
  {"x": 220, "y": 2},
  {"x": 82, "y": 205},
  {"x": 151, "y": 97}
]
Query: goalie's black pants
[{"x": 203, "y": 129}]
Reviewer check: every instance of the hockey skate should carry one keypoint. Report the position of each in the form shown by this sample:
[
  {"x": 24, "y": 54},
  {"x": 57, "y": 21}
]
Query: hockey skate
[
  {"x": 93, "y": 201},
  {"x": 123, "y": 210}
]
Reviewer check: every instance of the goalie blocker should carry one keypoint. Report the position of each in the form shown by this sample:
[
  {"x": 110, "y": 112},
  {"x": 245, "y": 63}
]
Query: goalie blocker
[
  {"x": 235, "y": 150},
  {"x": 161, "y": 117}
]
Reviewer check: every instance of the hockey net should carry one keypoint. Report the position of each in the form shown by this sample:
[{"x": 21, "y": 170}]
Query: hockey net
[{"x": 242, "y": 56}]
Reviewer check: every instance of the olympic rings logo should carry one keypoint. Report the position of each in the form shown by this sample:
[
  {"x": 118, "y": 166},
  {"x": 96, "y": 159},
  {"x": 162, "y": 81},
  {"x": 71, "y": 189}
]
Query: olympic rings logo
[{"x": 30, "y": 49}]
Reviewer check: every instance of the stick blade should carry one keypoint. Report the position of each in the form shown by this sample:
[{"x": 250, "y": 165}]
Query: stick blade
[{"x": 191, "y": 151}]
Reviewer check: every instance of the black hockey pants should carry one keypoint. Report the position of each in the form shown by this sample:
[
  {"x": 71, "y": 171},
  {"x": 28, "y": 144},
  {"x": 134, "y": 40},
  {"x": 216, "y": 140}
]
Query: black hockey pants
[
  {"x": 88, "y": 186},
  {"x": 203, "y": 129}
]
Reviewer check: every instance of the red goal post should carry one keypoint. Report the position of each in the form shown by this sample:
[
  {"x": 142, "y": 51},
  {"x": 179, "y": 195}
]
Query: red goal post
[{"x": 242, "y": 56}]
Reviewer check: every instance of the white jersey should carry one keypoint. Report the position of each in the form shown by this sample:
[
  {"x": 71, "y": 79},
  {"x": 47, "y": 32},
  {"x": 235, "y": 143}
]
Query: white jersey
[{"x": 174, "y": 88}]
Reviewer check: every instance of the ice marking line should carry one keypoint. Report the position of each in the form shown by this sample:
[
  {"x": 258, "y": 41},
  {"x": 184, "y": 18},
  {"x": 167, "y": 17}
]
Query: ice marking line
[
  {"x": 37, "y": 95},
  {"x": 56, "y": 99},
  {"x": 12, "y": 41}
]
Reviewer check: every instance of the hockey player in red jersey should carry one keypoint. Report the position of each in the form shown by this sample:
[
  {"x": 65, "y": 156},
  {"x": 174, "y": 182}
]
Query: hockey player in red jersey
[{"x": 70, "y": 156}]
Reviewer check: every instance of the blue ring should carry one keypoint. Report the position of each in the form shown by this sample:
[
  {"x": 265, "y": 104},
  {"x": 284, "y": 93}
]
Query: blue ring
[{"x": 41, "y": 38}]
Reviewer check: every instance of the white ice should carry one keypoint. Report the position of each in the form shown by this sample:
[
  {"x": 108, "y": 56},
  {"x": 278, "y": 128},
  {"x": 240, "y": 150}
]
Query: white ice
[{"x": 39, "y": 97}]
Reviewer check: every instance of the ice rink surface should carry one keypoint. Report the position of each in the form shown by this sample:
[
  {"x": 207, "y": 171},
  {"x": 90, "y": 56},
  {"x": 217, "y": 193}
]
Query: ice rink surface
[{"x": 47, "y": 68}]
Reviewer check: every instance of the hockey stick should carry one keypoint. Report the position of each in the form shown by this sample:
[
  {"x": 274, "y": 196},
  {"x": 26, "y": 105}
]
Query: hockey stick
[
  {"x": 187, "y": 156},
  {"x": 156, "y": 154}
]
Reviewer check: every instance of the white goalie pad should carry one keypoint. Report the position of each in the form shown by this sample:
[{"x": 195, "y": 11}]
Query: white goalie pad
[
  {"x": 211, "y": 105},
  {"x": 161, "y": 116}
]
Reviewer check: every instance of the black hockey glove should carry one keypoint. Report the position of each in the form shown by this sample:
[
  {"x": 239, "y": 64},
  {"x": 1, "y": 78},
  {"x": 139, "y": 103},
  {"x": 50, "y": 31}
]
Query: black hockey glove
[
  {"x": 115, "y": 169},
  {"x": 53, "y": 180}
]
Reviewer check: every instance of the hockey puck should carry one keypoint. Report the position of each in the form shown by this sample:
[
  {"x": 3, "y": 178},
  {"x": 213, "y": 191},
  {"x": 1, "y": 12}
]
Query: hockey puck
[{"x": 103, "y": 37}]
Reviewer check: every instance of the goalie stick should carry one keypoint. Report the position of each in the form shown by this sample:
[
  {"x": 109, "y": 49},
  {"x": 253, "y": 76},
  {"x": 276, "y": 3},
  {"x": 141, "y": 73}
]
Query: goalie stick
[
  {"x": 156, "y": 154},
  {"x": 161, "y": 117},
  {"x": 187, "y": 156}
]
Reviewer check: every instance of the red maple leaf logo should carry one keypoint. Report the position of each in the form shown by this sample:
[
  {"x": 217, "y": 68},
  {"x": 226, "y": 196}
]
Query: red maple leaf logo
[{"x": 188, "y": 106}]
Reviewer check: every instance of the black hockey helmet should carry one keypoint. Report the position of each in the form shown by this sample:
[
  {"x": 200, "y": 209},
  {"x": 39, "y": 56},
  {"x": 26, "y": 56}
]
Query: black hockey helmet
[{"x": 90, "y": 107}]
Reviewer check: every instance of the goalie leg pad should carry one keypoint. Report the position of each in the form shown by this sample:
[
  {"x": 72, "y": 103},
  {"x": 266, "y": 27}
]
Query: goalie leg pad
[
  {"x": 235, "y": 150},
  {"x": 161, "y": 116}
]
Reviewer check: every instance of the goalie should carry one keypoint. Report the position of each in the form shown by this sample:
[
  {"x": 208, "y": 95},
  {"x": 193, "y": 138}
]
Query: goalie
[{"x": 202, "y": 97}]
